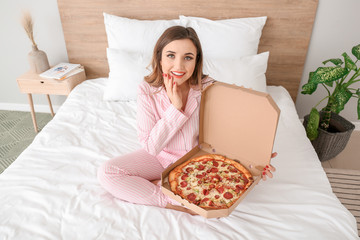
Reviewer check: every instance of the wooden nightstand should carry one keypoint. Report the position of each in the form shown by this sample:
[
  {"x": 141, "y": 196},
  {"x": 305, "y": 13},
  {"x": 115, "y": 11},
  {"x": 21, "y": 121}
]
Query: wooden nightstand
[{"x": 32, "y": 83}]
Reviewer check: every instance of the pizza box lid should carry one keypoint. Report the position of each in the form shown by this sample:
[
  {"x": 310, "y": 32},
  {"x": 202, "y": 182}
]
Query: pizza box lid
[{"x": 238, "y": 123}]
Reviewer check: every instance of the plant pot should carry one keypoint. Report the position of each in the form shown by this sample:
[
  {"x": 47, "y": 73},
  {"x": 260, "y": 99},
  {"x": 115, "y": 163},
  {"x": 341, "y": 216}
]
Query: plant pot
[{"x": 330, "y": 143}]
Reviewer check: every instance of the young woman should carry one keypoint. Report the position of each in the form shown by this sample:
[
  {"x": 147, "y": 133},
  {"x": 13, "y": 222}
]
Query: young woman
[{"x": 168, "y": 121}]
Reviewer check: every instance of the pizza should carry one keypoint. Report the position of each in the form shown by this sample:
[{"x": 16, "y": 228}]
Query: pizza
[{"x": 210, "y": 181}]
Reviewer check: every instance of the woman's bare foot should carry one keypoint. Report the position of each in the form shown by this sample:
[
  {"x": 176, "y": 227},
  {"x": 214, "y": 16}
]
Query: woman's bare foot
[{"x": 181, "y": 209}]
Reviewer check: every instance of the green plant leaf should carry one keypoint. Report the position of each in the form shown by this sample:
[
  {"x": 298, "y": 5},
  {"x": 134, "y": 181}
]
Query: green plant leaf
[
  {"x": 330, "y": 84},
  {"x": 328, "y": 74},
  {"x": 349, "y": 64},
  {"x": 341, "y": 97},
  {"x": 356, "y": 51},
  {"x": 335, "y": 61},
  {"x": 311, "y": 74},
  {"x": 313, "y": 124},
  {"x": 309, "y": 88}
]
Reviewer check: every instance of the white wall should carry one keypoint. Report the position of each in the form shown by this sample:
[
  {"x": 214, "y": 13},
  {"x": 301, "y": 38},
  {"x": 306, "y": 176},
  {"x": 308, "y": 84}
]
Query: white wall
[
  {"x": 15, "y": 45},
  {"x": 335, "y": 31}
]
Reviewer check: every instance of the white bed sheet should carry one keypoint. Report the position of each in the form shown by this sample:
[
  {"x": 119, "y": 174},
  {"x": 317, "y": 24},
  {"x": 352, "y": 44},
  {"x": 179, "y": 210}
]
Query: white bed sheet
[{"x": 51, "y": 190}]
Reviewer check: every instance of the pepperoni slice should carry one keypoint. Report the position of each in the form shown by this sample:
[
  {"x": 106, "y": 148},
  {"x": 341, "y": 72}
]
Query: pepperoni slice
[
  {"x": 220, "y": 189},
  {"x": 214, "y": 170},
  {"x": 218, "y": 177},
  {"x": 191, "y": 197},
  {"x": 215, "y": 163},
  {"x": 205, "y": 161},
  {"x": 228, "y": 195},
  {"x": 205, "y": 199},
  {"x": 189, "y": 169},
  {"x": 183, "y": 177},
  {"x": 217, "y": 196},
  {"x": 199, "y": 175},
  {"x": 214, "y": 180},
  {"x": 240, "y": 186},
  {"x": 212, "y": 186},
  {"x": 246, "y": 181},
  {"x": 183, "y": 184},
  {"x": 201, "y": 167},
  {"x": 206, "y": 192}
]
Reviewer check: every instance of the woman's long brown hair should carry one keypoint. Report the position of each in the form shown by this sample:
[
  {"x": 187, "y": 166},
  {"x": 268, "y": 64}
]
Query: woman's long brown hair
[{"x": 155, "y": 78}]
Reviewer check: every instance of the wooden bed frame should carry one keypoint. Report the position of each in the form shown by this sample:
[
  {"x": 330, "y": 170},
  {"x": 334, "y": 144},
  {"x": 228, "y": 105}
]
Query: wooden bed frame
[{"x": 286, "y": 34}]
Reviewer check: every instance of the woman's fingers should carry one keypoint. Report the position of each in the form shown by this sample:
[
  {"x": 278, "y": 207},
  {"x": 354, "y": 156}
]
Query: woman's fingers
[
  {"x": 269, "y": 169},
  {"x": 175, "y": 88},
  {"x": 272, "y": 168},
  {"x": 172, "y": 90},
  {"x": 168, "y": 84},
  {"x": 269, "y": 174},
  {"x": 166, "y": 81},
  {"x": 266, "y": 173}
]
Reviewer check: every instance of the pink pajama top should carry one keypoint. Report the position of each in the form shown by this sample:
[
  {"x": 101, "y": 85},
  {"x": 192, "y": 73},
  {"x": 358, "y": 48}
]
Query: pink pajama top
[{"x": 164, "y": 131}]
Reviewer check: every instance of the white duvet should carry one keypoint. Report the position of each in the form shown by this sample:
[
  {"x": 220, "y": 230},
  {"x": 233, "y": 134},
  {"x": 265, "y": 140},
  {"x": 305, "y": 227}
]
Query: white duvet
[{"x": 51, "y": 190}]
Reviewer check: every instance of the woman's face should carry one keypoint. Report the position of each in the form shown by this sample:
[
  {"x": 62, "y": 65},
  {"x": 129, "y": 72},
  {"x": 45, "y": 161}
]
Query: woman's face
[{"x": 178, "y": 59}]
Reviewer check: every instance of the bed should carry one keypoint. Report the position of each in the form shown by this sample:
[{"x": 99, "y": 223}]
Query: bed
[{"x": 51, "y": 190}]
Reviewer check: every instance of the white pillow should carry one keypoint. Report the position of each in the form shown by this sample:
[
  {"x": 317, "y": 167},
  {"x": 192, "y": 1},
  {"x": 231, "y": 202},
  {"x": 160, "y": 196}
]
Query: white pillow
[
  {"x": 127, "y": 71},
  {"x": 135, "y": 35},
  {"x": 229, "y": 38},
  {"x": 246, "y": 71}
]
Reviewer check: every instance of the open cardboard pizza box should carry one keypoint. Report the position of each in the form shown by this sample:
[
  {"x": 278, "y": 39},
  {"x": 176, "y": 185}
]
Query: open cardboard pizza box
[{"x": 237, "y": 123}]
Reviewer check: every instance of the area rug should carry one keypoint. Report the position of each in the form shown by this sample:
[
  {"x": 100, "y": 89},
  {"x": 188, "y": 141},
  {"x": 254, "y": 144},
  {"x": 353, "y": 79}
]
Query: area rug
[
  {"x": 346, "y": 186},
  {"x": 16, "y": 133}
]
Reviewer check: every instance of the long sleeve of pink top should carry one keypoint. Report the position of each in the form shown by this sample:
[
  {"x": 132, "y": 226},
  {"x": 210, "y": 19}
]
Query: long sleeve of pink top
[{"x": 164, "y": 131}]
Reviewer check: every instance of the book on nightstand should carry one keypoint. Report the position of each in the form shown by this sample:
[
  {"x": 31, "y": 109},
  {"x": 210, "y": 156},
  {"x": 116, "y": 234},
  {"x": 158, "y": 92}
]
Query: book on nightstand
[{"x": 62, "y": 71}]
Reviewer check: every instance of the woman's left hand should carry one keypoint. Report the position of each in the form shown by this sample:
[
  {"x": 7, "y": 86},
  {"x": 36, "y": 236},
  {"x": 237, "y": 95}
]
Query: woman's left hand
[{"x": 267, "y": 172}]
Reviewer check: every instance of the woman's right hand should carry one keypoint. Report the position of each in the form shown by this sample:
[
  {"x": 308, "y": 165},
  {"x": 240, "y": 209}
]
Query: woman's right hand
[{"x": 173, "y": 91}]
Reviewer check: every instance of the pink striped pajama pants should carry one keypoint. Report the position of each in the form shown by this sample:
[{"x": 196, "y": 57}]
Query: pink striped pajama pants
[{"x": 128, "y": 178}]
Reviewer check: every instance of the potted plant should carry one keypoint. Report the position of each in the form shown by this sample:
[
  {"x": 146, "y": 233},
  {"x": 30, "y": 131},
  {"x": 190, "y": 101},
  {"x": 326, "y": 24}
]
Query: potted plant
[{"x": 328, "y": 131}]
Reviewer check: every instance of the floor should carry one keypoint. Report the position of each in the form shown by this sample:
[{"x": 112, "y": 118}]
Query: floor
[{"x": 349, "y": 158}]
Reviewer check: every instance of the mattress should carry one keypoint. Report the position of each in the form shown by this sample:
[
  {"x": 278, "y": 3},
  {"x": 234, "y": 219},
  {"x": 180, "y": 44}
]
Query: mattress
[{"x": 51, "y": 190}]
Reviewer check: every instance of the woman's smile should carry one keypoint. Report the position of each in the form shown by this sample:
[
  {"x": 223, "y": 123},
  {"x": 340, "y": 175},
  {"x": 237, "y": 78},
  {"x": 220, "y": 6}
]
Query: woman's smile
[{"x": 177, "y": 74}]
